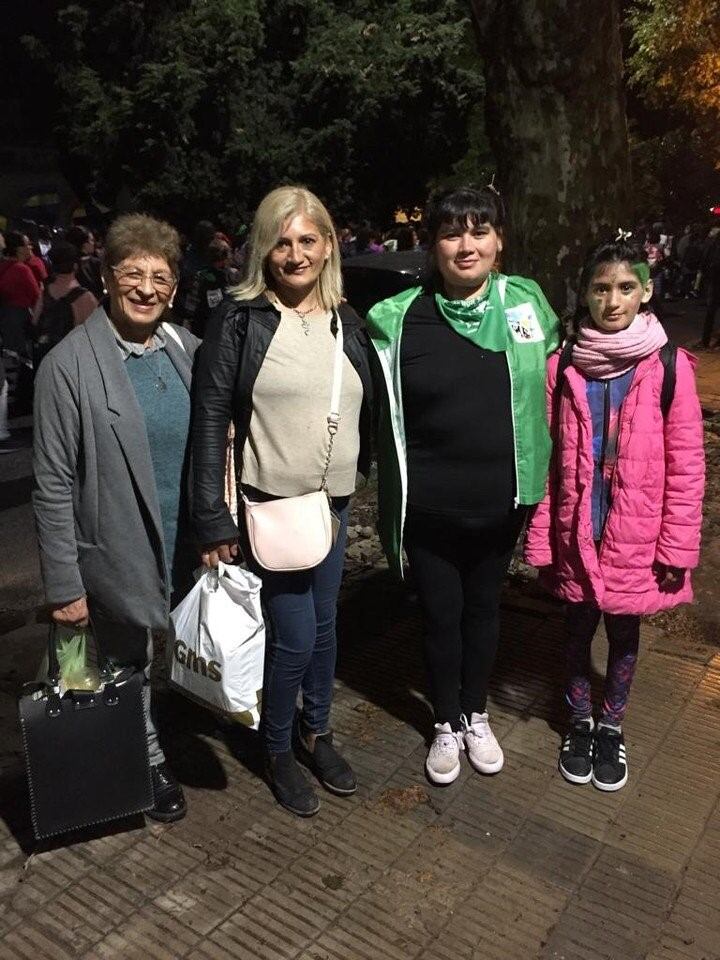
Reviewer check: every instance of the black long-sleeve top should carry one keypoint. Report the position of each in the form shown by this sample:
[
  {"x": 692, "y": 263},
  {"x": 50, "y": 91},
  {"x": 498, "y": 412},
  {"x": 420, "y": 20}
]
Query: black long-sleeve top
[{"x": 458, "y": 420}]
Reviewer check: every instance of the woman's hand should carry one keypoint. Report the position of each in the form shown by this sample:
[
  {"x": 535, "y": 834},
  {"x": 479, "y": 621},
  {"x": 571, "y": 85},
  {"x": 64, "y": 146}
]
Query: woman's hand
[
  {"x": 214, "y": 553},
  {"x": 73, "y": 614}
]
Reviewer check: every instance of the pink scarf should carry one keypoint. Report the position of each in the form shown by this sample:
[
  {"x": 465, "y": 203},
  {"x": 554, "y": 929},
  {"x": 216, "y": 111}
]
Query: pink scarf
[{"x": 602, "y": 355}]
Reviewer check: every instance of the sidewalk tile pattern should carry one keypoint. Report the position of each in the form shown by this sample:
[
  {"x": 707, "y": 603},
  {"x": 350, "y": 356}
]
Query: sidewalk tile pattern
[{"x": 513, "y": 867}]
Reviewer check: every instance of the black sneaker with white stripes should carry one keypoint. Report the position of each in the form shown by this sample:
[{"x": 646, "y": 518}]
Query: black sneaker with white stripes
[
  {"x": 610, "y": 770},
  {"x": 576, "y": 752}
]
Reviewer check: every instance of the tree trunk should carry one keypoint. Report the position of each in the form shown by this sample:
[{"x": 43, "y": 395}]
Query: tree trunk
[{"x": 555, "y": 116}]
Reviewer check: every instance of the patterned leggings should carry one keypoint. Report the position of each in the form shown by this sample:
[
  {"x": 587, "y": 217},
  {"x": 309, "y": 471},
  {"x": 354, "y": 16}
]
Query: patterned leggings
[{"x": 623, "y": 638}]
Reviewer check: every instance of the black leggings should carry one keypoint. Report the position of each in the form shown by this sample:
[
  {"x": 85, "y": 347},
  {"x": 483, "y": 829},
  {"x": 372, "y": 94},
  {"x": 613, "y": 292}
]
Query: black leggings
[{"x": 459, "y": 574}]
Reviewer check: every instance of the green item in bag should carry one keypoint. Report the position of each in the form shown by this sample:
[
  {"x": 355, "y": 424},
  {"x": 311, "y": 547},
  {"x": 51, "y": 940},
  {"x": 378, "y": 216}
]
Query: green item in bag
[{"x": 76, "y": 672}]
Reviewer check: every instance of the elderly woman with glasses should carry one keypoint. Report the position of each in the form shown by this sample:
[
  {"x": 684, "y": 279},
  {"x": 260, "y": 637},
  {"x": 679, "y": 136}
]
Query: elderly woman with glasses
[{"x": 112, "y": 418}]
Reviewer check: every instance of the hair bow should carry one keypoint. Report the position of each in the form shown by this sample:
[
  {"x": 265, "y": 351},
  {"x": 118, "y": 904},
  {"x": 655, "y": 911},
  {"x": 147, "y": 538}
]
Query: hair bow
[
  {"x": 623, "y": 235},
  {"x": 491, "y": 186}
]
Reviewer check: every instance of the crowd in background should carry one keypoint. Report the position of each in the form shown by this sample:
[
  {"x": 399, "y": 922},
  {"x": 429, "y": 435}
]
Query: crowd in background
[
  {"x": 679, "y": 262},
  {"x": 50, "y": 281},
  {"x": 482, "y": 424}
]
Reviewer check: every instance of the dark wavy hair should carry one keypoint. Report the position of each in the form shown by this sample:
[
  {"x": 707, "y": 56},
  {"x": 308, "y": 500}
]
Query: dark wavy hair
[
  {"x": 63, "y": 257},
  {"x": 78, "y": 235},
  {"x": 610, "y": 251},
  {"x": 459, "y": 206}
]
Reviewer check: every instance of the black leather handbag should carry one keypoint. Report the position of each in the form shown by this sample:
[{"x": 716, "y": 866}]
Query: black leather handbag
[{"x": 86, "y": 752}]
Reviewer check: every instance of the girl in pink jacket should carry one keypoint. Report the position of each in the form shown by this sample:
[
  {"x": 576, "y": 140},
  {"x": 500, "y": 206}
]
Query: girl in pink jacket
[{"x": 619, "y": 529}]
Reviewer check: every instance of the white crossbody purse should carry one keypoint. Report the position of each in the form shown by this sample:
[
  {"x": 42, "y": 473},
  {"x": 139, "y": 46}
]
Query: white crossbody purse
[{"x": 297, "y": 533}]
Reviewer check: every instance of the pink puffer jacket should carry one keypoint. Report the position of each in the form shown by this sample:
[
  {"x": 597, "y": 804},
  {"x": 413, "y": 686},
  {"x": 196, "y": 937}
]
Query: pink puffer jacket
[{"x": 657, "y": 493}]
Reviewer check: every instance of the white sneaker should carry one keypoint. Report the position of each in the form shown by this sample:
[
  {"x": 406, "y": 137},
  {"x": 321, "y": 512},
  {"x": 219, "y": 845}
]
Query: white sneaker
[
  {"x": 483, "y": 750},
  {"x": 443, "y": 759}
]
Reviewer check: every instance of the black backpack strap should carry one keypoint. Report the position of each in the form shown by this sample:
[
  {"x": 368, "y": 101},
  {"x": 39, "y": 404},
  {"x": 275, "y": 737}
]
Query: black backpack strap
[
  {"x": 73, "y": 295},
  {"x": 668, "y": 358},
  {"x": 67, "y": 301},
  {"x": 564, "y": 362}
]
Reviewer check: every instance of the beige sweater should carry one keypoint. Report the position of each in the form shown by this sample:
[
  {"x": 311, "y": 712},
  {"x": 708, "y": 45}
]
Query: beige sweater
[{"x": 287, "y": 442}]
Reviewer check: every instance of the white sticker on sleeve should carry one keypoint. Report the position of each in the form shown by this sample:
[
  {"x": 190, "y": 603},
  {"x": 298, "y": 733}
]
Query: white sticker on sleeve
[{"x": 524, "y": 324}]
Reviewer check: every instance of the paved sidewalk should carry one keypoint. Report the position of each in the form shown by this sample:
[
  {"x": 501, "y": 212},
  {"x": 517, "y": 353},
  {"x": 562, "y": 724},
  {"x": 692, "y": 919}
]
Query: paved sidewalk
[
  {"x": 513, "y": 867},
  {"x": 708, "y": 380}
]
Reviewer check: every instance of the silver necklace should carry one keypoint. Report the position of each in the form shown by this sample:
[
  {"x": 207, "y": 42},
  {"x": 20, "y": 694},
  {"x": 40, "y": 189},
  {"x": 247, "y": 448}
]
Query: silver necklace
[
  {"x": 159, "y": 383},
  {"x": 302, "y": 316}
]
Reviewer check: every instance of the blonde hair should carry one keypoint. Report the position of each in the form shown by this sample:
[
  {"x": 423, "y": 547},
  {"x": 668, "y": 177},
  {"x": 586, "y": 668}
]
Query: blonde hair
[
  {"x": 274, "y": 211},
  {"x": 137, "y": 233}
]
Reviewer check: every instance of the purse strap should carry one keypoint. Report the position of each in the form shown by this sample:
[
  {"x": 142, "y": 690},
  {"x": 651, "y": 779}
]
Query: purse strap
[
  {"x": 172, "y": 332},
  {"x": 333, "y": 418}
]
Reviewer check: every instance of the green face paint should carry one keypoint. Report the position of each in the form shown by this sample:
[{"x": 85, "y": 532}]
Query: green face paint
[{"x": 642, "y": 272}]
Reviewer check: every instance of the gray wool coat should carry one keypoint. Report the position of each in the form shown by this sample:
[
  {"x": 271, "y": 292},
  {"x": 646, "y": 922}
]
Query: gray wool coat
[{"x": 96, "y": 507}]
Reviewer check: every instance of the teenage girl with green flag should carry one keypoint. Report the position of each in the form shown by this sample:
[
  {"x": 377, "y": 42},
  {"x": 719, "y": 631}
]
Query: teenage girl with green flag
[{"x": 463, "y": 452}]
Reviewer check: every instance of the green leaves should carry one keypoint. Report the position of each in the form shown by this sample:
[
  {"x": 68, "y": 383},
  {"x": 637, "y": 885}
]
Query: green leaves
[
  {"x": 197, "y": 108},
  {"x": 675, "y": 59},
  {"x": 675, "y": 66}
]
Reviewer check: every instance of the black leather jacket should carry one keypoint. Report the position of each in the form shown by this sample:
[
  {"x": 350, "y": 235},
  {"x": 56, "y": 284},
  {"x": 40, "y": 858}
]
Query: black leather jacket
[{"x": 228, "y": 361}]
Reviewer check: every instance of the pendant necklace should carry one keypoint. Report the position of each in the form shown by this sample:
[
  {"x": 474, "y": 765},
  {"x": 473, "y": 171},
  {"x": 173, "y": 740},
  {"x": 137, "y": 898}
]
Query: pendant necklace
[
  {"x": 159, "y": 382},
  {"x": 302, "y": 316}
]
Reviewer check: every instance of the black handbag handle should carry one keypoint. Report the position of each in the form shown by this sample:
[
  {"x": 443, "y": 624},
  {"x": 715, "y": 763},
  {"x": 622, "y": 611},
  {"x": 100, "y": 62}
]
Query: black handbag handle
[{"x": 104, "y": 668}]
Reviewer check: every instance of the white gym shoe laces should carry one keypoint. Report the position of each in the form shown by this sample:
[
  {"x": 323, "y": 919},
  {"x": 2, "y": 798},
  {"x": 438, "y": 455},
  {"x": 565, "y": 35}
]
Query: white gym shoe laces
[
  {"x": 443, "y": 759},
  {"x": 483, "y": 750}
]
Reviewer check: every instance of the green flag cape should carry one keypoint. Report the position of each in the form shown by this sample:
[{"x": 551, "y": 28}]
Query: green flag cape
[{"x": 481, "y": 319}]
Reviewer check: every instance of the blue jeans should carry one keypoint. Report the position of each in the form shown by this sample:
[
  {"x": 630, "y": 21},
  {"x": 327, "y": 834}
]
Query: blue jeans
[{"x": 302, "y": 646}]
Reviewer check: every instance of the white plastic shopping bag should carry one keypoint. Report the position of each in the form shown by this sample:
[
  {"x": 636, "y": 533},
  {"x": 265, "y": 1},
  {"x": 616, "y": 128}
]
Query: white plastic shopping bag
[{"x": 218, "y": 653}]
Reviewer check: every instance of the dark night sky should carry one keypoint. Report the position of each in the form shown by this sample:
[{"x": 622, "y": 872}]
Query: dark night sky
[{"x": 26, "y": 98}]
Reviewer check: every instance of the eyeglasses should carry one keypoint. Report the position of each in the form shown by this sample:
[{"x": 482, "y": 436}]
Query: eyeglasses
[{"x": 161, "y": 282}]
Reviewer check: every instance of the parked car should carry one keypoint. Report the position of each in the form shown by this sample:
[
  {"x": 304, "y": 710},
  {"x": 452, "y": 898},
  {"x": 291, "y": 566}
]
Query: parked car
[{"x": 372, "y": 277}]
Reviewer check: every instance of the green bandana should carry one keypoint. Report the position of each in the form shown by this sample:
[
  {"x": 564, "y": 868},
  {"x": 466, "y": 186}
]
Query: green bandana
[
  {"x": 481, "y": 319},
  {"x": 642, "y": 272}
]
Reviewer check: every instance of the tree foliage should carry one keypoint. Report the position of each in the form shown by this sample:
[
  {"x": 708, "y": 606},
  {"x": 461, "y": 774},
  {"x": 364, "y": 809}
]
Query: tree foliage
[
  {"x": 197, "y": 107},
  {"x": 672, "y": 177},
  {"x": 676, "y": 60}
]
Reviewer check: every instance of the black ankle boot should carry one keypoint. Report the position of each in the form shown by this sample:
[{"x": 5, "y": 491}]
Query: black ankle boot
[
  {"x": 319, "y": 755},
  {"x": 290, "y": 785},
  {"x": 170, "y": 802}
]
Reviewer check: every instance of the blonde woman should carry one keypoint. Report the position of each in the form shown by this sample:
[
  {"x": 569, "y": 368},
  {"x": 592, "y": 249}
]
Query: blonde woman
[{"x": 267, "y": 364}]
